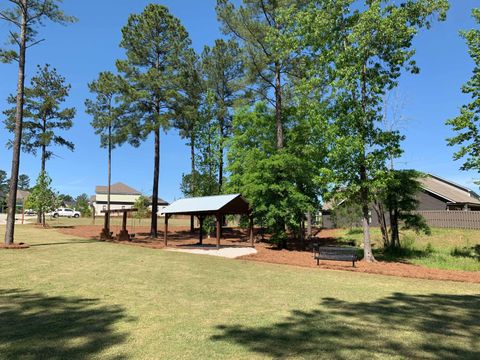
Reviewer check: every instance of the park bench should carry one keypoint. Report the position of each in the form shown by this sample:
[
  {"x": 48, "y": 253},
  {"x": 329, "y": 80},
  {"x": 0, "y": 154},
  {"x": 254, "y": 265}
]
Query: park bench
[{"x": 334, "y": 253}]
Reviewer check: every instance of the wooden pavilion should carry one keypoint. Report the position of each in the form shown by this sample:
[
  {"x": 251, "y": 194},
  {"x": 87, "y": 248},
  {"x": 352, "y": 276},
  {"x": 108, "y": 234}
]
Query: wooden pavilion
[{"x": 218, "y": 206}]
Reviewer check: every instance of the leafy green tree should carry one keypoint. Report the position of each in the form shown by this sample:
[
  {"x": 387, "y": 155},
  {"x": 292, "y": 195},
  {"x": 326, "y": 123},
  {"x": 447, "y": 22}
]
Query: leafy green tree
[
  {"x": 82, "y": 204},
  {"x": 466, "y": 125},
  {"x": 365, "y": 54},
  {"x": 108, "y": 118},
  {"x": 142, "y": 205},
  {"x": 397, "y": 201},
  {"x": 156, "y": 45},
  {"x": 24, "y": 182},
  {"x": 223, "y": 69},
  {"x": 254, "y": 164},
  {"x": 45, "y": 116},
  {"x": 42, "y": 198},
  {"x": 25, "y": 16}
]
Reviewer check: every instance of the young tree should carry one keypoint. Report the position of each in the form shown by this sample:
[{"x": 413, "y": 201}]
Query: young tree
[
  {"x": 45, "y": 116},
  {"x": 108, "y": 120},
  {"x": 25, "y": 16},
  {"x": 156, "y": 45},
  {"x": 24, "y": 182},
  {"x": 223, "y": 69},
  {"x": 399, "y": 198},
  {"x": 466, "y": 125},
  {"x": 82, "y": 204},
  {"x": 141, "y": 204},
  {"x": 42, "y": 198}
]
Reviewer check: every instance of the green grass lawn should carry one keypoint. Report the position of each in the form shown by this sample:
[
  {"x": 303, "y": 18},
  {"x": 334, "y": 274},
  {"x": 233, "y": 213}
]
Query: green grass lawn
[
  {"x": 450, "y": 249},
  {"x": 68, "y": 298}
]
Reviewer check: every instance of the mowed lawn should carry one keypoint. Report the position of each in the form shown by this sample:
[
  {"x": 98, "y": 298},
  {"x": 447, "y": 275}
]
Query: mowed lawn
[
  {"x": 68, "y": 298},
  {"x": 450, "y": 249}
]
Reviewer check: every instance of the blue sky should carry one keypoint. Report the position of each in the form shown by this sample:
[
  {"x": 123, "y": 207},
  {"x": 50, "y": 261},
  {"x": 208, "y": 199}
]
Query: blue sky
[{"x": 80, "y": 51}]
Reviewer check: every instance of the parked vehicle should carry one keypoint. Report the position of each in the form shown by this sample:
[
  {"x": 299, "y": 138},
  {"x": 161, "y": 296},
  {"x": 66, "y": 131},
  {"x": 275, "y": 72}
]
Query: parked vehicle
[
  {"x": 30, "y": 212},
  {"x": 65, "y": 212}
]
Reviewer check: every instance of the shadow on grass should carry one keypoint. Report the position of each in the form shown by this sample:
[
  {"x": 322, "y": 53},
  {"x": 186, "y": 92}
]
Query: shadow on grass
[
  {"x": 38, "y": 326},
  {"x": 73, "y": 242},
  {"x": 401, "y": 254},
  {"x": 406, "y": 326}
]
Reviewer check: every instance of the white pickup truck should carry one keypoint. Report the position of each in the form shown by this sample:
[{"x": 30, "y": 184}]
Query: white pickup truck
[{"x": 65, "y": 212}]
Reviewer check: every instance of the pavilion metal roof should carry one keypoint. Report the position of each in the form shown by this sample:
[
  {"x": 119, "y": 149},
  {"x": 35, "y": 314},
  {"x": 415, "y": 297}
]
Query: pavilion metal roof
[{"x": 227, "y": 204}]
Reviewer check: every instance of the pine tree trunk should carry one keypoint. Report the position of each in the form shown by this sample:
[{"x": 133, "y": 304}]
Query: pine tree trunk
[
  {"x": 280, "y": 143},
  {"x": 192, "y": 188},
  {"x": 220, "y": 156},
  {"x": 12, "y": 198},
  {"x": 40, "y": 217},
  {"x": 109, "y": 190},
  {"x": 278, "y": 106},
  {"x": 156, "y": 175}
]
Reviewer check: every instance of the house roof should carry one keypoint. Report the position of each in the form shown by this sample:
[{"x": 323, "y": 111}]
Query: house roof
[
  {"x": 451, "y": 192},
  {"x": 117, "y": 189},
  {"x": 224, "y": 204}
]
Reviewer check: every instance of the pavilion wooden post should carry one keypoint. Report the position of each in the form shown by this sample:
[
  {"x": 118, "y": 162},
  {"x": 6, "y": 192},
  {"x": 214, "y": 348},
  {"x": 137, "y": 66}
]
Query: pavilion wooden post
[
  {"x": 219, "y": 229},
  {"x": 200, "y": 219},
  {"x": 105, "y": 235},
  {"x": 251, "y": 230},
  {"x": 166, "y": 229},
  {"x": 123, "y": 235},
  {"x": 124, "y": 221}
]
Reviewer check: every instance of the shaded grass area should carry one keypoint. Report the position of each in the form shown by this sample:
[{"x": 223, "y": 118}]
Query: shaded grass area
[
  {"x": 325, "y": 330},
  {"x": 451, "y": 249},
  {"x": 36, "y": 325},
  {"x": 88, "y": 299}
]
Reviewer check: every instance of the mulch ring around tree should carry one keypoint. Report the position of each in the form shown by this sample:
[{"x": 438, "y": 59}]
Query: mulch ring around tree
[
  {"x": 14, "y": 246},
  {"x": 180, "y": 237}
]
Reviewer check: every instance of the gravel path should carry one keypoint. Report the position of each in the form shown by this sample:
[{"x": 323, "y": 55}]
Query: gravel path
[{"x": 227, "y": 252}]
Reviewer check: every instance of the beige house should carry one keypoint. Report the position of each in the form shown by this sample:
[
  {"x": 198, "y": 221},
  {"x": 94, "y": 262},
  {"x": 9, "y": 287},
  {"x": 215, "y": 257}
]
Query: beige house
[{"x": 121, "y": 197}]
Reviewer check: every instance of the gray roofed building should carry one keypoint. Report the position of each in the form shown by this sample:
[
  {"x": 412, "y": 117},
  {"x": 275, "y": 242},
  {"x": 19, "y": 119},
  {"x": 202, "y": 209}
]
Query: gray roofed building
[{"x": 449, "y": 191}]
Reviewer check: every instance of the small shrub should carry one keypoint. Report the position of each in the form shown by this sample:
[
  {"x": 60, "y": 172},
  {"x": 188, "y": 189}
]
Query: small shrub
[
  {"x": 468, "y": 252},
  {"x": 429, "y": 249}
]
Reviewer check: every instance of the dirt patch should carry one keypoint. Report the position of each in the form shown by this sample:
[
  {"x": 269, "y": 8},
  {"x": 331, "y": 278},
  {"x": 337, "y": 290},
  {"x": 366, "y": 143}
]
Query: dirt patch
[
  {"x": 14, "y": 246},
  {"x": 180, "y": 237}
]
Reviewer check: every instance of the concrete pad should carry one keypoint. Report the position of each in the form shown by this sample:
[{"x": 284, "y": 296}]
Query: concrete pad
[{"x": 227, "y": 252}]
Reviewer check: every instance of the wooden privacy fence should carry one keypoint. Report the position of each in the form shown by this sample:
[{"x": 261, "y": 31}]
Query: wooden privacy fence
[{"x": 453, "y": 219}]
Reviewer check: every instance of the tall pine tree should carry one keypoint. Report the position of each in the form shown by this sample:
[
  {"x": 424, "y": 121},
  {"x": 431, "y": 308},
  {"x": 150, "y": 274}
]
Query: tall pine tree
[
  {"x": 25, "y": 16},
  {"x": 156, "y": 44}
]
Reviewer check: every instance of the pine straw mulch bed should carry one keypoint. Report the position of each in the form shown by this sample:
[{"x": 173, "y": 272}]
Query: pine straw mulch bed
[{"x": 181, "y": 237}]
